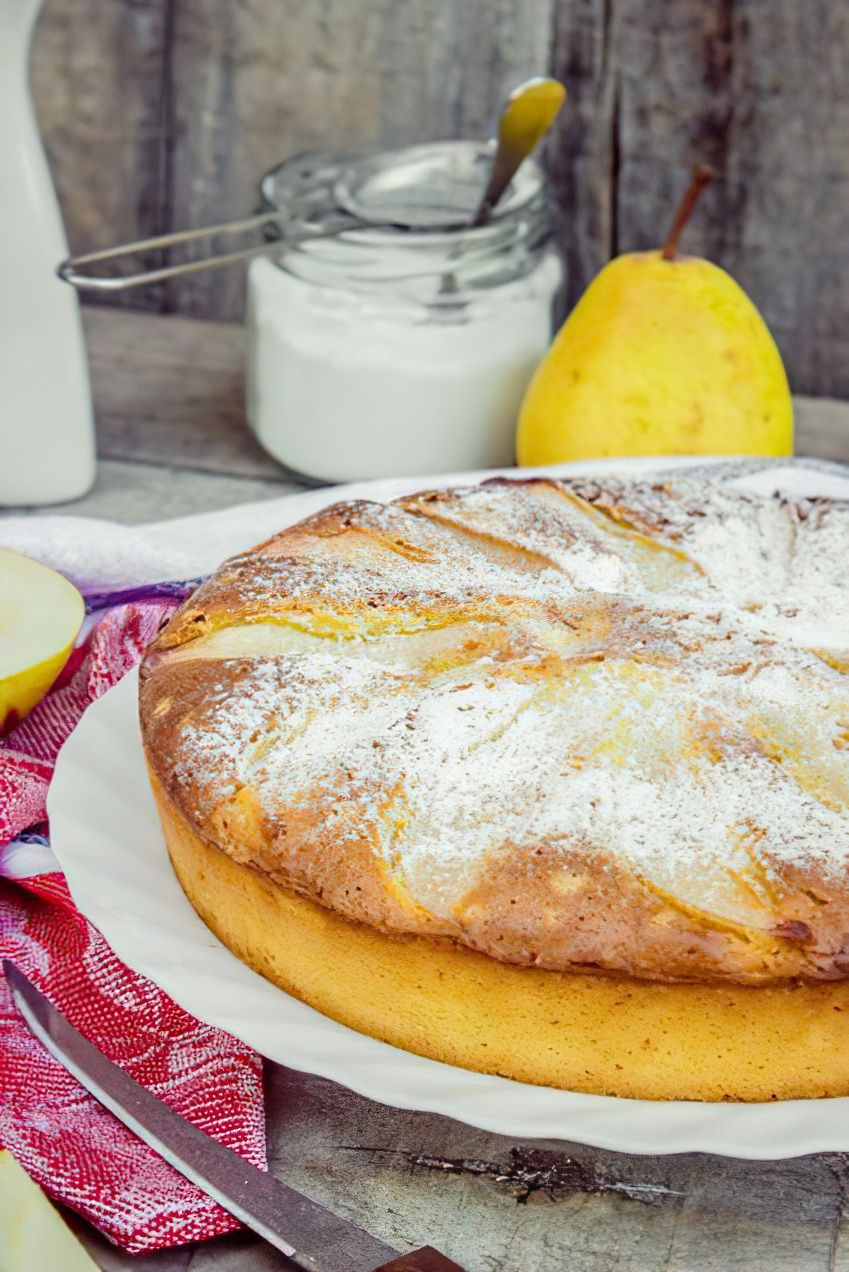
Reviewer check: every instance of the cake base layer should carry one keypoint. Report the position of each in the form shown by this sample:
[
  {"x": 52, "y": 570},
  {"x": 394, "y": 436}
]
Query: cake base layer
[{"x": 599, "y": 1034}]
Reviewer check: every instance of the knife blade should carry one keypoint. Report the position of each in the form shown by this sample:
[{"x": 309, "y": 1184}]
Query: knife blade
[{"x": 312, "y": 1236}]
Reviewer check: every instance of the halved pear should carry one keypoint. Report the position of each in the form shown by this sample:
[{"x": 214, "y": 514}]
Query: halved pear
[
  {"x": 32, "y": 1233},
  {"x": 40, "y": 616}
]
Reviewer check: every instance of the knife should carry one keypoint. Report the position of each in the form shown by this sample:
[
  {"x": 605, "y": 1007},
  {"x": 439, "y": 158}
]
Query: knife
[{"x": 312, "y": 1236}]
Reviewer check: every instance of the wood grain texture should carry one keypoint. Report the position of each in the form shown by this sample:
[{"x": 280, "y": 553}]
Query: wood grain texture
[
  {"x": 582, "y": 153},
  {"x": 164, "y": 113},
  {"x": 256, "y": 82},
  {"x": 136, "y": 492},
  {"x": 101, "y": 84},
  {"x": 415, "y": 1178},
  {"x": 760, "y": 90},
  {"x": 169, "y": 391},
  {"x": 384, "y": 1166}
]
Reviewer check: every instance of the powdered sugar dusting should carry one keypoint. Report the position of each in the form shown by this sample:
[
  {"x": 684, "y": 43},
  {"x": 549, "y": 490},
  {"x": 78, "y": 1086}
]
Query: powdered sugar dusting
[{"x": 685, "y": 732}]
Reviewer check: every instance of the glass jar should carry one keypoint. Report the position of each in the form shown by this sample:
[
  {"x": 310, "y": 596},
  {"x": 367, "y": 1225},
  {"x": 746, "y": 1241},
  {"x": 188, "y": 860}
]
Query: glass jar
[{"x": 386, "y": 338}]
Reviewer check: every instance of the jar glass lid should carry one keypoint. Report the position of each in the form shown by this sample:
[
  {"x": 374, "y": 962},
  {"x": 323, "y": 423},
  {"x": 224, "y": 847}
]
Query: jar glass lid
[{"x": 425, "y": 189}]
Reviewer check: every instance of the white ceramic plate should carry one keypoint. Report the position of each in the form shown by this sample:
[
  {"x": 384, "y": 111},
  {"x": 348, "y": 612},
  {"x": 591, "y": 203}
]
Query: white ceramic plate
[{"x": 106, "y": 834}]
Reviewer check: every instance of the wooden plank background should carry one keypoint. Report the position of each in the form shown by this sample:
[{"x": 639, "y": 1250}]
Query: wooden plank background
[{"x": 162, "y": 114}]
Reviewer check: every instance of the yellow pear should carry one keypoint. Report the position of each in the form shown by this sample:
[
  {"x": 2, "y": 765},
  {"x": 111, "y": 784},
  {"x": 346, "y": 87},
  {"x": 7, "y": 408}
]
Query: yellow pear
[
  {"x": 40, "y": 616},
  {"x": 663, "y": 355}
]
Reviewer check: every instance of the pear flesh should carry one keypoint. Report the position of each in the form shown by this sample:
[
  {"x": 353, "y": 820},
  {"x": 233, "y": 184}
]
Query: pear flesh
[
  {"x": 33, "y": 1237},
  {"x": 659, "y": 357},
  {"x": 40, "y": 616}
]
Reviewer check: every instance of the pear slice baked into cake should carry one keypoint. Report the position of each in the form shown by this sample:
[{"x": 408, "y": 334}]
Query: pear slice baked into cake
[{"x": 540, "y": 778}]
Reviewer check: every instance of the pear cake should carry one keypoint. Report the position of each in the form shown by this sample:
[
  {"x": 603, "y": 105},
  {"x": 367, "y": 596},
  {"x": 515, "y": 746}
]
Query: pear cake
[{"x": 541, "y": 778}]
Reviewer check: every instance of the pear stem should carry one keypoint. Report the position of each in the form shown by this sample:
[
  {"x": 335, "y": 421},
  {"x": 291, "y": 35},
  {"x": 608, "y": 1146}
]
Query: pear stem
[{"x": 702, "y": 176}]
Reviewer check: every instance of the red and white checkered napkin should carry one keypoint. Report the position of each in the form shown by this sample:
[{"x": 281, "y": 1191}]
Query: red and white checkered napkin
[{"x": 72, "y": 1147}]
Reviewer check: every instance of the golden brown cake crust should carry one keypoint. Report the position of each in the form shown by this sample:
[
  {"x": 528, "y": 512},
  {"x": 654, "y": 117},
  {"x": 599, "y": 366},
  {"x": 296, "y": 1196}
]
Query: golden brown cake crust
[
  {"x": 569, "y": 727},
  {"x": 609, "y": 1035}
]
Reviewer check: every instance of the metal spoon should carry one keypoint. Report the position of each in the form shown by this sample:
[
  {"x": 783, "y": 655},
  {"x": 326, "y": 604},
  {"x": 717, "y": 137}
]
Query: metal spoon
[{"x": 528, "y": 113}]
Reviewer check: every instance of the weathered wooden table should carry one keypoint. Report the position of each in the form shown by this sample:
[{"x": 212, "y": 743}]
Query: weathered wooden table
[{"x": 173, "y": 441}]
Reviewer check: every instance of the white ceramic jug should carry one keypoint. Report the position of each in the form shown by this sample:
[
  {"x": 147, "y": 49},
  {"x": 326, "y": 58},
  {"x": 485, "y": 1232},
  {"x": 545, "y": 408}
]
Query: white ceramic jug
[{"x": 47, "y": 450}]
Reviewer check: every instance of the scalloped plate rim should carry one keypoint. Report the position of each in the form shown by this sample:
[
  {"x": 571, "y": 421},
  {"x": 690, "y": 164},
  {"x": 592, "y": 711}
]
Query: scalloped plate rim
[{"x": 87, "y": 804}]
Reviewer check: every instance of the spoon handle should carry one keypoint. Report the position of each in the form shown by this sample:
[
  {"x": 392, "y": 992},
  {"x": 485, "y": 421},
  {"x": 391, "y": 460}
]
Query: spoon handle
[{"x": 528, "y": 113}]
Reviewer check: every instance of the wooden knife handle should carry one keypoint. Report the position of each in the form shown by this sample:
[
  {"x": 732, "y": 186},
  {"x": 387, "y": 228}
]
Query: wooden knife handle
[{"x": 424, "y": 1260}]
